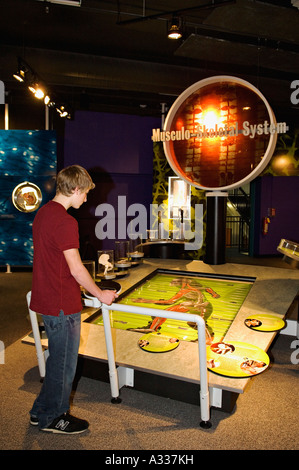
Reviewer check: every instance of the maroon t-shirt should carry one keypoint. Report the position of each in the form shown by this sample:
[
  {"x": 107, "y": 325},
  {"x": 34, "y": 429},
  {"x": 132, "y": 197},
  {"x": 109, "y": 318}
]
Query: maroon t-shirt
[{"x": 53, "y": 286}]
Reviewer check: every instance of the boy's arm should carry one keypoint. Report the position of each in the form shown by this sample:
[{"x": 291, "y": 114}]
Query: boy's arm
[{"x": 82, "y": 276}]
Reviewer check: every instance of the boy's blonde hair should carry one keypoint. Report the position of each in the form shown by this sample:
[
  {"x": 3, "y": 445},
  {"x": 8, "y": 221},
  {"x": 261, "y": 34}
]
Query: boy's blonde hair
[{"x": 72, "y": 177}]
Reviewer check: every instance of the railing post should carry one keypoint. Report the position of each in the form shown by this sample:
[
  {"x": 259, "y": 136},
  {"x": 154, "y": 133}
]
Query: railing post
[{"x": 203, "y": 373}]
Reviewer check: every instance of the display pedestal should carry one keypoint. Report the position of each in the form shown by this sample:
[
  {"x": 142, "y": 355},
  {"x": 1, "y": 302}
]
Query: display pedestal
[
  {"x": 164, "y": 249},
  {"x": 216, "y": 227},
  {"x": 176, "y": 373}
]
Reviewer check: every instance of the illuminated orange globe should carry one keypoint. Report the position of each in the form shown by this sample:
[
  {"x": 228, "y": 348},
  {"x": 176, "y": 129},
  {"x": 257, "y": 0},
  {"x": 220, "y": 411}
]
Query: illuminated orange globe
[{"x": 220, "y": 133}]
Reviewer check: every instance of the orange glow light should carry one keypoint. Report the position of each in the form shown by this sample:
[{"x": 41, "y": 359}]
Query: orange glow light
[
  {"x": 210, "y": 118},
  {"x": 179, "y": 124}
]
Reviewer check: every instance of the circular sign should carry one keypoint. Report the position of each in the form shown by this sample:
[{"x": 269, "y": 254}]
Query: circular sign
[
  {"x": 265, "y": 323},
  {"x": 26, "y": 197},
  {"x": 236, "y": 359},
  {"x": 157, "y": 342},
  {"x": 220, "y": 133}
]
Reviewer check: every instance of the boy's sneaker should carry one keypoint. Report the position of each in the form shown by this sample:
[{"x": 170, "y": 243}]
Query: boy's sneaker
[
  {"x": 34, "y": 420},
  {"x": 67, "y": 424}
]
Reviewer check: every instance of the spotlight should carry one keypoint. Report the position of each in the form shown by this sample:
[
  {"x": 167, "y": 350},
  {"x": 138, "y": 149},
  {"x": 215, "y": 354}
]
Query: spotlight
[
  {"x": 39, "y": 94},
  {"x": 40, "y": 89},
  {"x": 37, "y": 89},
  {"x": 175, "y": 28},
  {"x": 20, "y": 74},
  {"x": 47, "y": 100},
  {"x": 50, "y": 99},
  {"x": 64, "y": 111}
]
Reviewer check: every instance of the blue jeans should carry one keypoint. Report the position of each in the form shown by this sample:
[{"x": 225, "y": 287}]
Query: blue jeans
[{"x": 63, "y": 334}]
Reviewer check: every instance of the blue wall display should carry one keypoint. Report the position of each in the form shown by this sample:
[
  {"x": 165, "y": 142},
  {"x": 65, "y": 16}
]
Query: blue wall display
[{"x": 25, "y": 157}]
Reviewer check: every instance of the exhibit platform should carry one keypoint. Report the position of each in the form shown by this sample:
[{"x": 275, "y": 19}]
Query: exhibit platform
[{"x": 175, "y": 373}]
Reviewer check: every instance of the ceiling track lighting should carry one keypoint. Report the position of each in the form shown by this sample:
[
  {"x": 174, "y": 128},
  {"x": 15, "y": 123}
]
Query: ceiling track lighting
[
  {"x": 71, "y": 3},
  {"x": 27, "y": 76},
  {"x": 21, "y": 72},
  {"x": 63, "y": 111},
  {"x": 47, "y": 100},
  {"x": 38, "y": 89},
  {"x": 175, "y": 28},
  {"x": 19, "y": 75}
]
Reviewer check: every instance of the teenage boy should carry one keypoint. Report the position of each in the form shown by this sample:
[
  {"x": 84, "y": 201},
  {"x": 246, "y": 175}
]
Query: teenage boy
[{"x": 58, "y": 273}]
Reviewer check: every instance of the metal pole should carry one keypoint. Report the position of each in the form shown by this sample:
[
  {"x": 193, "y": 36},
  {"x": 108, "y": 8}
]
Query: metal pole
[
  {"x": 6, "y": 117},
  {"x": 110, "y": 355}
]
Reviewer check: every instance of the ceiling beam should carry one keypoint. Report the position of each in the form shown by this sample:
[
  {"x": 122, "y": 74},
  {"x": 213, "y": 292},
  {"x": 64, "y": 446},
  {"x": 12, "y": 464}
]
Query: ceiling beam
[{"x": 212, "y": 4}]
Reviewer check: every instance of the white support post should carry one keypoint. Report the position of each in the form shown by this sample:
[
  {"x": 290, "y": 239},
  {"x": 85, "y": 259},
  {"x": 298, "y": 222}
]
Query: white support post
[
  {"x": 6, "y": 117},
  {"x": 41, "y": 358},
  {"x": 125, "y": 377},
  {"x": 291, "y": 328},
  {"x": 203, "y": 374},
  {"x": 110, "y": 353},
  {"x": 216, "y": 397}
]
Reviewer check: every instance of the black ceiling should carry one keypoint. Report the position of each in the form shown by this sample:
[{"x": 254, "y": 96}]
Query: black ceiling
[{"x": 115, "y": 55}]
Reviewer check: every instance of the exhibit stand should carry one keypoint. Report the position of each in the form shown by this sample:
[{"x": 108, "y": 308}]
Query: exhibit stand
[
  {"x": 216, "y": 227},
  {"x": 115, "y": 345},
  {"x": 164, "y": 249},
  {"x": 113, "y": 373}
]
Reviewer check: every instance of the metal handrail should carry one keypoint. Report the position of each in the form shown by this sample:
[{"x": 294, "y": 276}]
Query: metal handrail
[
  {"x": 203, "y": 373},
  {"x": 114, "y": 386}
]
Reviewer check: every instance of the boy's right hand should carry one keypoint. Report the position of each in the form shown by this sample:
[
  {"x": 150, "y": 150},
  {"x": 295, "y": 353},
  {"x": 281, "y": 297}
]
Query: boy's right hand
[{"x": 108, "y": 296}]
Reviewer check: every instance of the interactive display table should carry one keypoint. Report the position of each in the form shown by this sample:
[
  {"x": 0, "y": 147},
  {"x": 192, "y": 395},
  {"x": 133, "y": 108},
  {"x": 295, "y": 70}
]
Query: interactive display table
[{"x": 206, "y": 292}]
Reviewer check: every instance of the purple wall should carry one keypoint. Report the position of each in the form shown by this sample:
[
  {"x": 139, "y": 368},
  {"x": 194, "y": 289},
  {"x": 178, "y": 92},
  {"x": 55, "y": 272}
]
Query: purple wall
[
  {"x": 117, "y": 151},
  {"x": 282, "y": 194}
]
